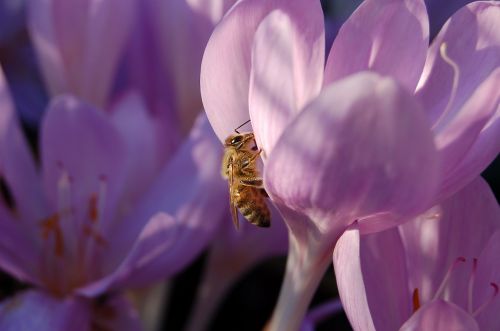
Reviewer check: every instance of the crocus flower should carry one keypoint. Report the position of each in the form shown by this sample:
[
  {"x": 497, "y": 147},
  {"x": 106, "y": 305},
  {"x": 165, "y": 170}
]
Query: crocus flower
[
  {"x": 335, "y": 141},
  {"x": 437, "y": 272},
  {"x": 84, "y": 226}
]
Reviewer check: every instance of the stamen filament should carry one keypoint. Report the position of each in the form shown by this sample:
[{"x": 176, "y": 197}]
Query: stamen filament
[
  {"x": 442, "y": 287},
  {"x": 454, "y": 86},
  {"x": 471, "y": 285}
]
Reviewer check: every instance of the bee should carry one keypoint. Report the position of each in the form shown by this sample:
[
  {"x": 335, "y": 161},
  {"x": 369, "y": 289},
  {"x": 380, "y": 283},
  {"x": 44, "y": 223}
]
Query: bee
[{"x": 246, "y": 192}]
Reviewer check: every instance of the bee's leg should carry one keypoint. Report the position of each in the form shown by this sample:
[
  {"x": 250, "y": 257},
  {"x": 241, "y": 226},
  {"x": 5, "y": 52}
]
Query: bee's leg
[
  {"x": 256, "y": 155},
  {"x": 253, "y": 181}
]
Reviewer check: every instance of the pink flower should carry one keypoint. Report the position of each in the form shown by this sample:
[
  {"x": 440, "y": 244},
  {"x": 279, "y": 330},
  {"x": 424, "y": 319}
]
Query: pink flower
[
  {"x": 439, "y": 271},
  {"x": 341, "y": 145}
]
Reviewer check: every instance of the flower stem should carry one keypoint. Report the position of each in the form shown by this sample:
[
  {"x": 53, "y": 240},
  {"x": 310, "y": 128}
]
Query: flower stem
[{"x": 305, "y": 267}]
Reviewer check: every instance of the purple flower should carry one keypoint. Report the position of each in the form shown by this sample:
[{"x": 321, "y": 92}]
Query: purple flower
[
  {"x": 439, "y": 271},
  {"x": 91, "y": 221},
  {"x": 341, "y": 145}
]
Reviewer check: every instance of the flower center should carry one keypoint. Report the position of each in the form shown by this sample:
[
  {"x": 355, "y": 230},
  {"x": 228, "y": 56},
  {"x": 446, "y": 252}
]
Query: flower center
[
  {"x": 440, "y": 293},
  {"x": 72, "y": 236}
]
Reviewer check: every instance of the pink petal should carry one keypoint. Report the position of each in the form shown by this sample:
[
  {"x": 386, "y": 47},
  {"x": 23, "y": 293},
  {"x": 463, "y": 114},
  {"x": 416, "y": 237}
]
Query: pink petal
[
  {"x": 440, "y": 316},
  {"x": 17, "y": 166},
  {"x": 286, "y": 73},
  {"x": 69, "y": 39},
  {"x": 465, "y": 132},
  {"x": 383, "y": 262},
  {"x": 488, "y": 271},
  {"x": 83, "y": 158},
  {"x": 484, "y": 150},
  {"x": 355, "y": 163},
  {"x": 435, "y": 240},
  {"x": 350, "y": 282},
  {"x": 462, "y": 133},
  {"x": 472, "y": 40},
  {"x": 380, "y": 293},
  {"x": 389, "y": 36},
  {"x": 225, "y": 69},
  {"x": 35, "y": 310}
]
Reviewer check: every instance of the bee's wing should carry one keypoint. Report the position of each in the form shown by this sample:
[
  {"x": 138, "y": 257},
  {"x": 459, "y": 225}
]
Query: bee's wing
[{"x": 232, "y": 205}]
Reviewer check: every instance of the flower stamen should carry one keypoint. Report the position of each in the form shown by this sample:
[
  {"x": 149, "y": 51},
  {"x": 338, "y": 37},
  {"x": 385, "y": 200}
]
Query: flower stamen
[
  {"x": 415, "y": 300},
  {"x": 471, "y": 285},
  {"x": 446, "y": 278},
  {"x": 454, "y": 86},
  {"x": 51, "y": 225}
]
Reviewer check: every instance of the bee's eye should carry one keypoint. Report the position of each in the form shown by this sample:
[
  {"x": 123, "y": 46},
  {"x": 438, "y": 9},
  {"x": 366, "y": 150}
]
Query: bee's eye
[{"x": 236, "y": 140}]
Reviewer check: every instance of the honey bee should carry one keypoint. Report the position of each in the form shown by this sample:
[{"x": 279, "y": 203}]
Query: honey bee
[{"x": 246, "y": 192}]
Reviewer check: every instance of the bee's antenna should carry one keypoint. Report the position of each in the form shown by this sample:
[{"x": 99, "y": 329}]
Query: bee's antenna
[{"x": 236, "y": 130}]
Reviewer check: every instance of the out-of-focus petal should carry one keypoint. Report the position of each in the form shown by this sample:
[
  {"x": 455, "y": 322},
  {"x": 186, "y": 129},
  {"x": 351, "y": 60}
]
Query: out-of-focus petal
[
  {"x": 69, "y": 38},
  {"x": 371, "y": 122},
  {"x": 83, "y": 159},
  {"x": 388, "y": 36},
  {"x": 378, "y": 262},
  {"x": 189, "y": 189},
  {"x": 286, "y": 72},
  {"x": 18, "y": 254},
  {"x": 488, "y": 272},
  {"x": 182, "y": 29},
  {"x": 45, "y": 41},
  {"x": 157, "y": 237},
  {"x": 35, "y": 310},
  {"x": 473, "y": 42},
  {"x": 145, "y": 150},
  {"x": 225, "y": 69},
  {"x": 435, "y": 240},
  {"x": 440, "y": 316},
  {"x": 350, "y": 282},
  {"x": 17, "y": 166}
]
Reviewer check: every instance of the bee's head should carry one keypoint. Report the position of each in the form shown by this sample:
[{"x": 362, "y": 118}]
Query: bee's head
[{"x": 238, "y": 140}]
